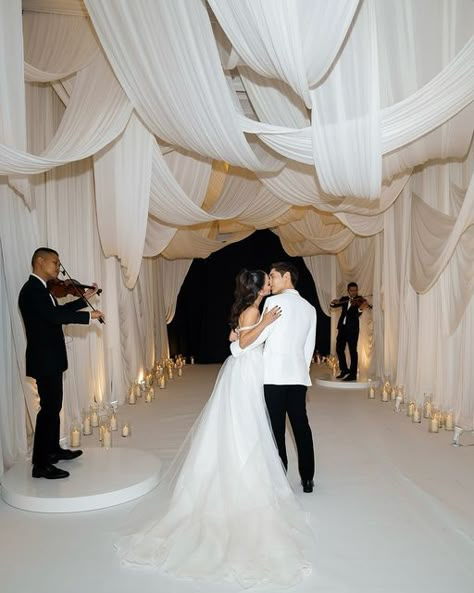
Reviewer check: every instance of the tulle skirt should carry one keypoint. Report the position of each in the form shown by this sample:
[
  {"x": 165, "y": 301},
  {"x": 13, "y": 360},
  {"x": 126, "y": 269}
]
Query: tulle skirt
[{"x": 232, "y": 515}]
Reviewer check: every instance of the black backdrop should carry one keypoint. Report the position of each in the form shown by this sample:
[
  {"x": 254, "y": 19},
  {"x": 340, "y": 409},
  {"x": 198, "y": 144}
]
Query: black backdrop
[{"x": 200, "y": 326}]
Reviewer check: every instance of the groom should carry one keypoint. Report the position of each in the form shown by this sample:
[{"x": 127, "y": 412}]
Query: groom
[{"x": 289, "y": 346}]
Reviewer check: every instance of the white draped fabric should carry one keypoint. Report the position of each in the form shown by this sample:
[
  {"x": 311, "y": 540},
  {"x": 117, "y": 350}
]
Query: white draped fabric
[
  {"x": 122, "y": 174},
  {"x": 174, "y": 42},
  {"x": 345, "y": 126}
]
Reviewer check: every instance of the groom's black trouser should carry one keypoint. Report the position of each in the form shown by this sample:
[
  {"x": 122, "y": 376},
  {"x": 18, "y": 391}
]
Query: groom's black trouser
[{"x": 291, "y": 399}]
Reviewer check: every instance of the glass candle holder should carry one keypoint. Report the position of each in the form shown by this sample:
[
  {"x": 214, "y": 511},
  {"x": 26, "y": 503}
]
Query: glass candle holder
[
  {"x": 106, "y": 437},
  {"x": 433, "y": 424},
  {"x": 94, "y": 416},
  {"x": 132, "y": 398},
  {"x": 86, "y": 424},
  {"x": 75, "y": 434},
  {"x": 427, "y": 405},
  {"x": 126, "y": 430},
  {"x": 113, "y": 421},
  {"x": 449, "y": 420},
  {"x": 416, "y": 415}
]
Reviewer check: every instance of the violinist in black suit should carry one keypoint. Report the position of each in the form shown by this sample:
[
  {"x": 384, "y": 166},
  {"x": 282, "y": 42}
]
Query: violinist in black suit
[
  {"x": 46, "y": 357},
  {"x": 348, "y": 330}
]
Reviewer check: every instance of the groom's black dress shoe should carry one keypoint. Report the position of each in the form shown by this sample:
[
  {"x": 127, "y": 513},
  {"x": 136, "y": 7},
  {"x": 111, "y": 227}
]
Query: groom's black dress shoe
[
  {"x": 48, "y": 471},
  {"x": 342, "y": 375},
  {"x": 308, "y": 485},
  {"x": 63, "y": 454},
  {"x": 350, "y": 378}
]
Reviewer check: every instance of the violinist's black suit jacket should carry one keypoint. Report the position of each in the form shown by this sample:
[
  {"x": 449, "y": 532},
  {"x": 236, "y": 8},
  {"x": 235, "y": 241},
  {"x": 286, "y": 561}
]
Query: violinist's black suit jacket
[
  {"x": 350, "y": 315},
  {"x": 46, "y": 359},
  {"x": 46, "y": 350}
]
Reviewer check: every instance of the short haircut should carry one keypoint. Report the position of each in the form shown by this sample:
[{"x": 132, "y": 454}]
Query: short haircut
[
  {"x": 285, "y": 266},
  {"x": 41, "y": 252},
  {"x": 352, "y": 285}
]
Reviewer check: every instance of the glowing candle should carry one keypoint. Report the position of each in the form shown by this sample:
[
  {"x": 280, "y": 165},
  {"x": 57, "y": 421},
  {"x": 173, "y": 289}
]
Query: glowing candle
[
  {"x": 75, "y": 437},
  {"x": 107, "y": 439},
  {"x": 86, "y": 426},
  {"x": 113, "y": 421},
  {"x": 94, "y": 418},
  {"x": 125, "y": 429},
  {"x": 434, "y": 424},
  {"x": 449, "y": 423},
  {"x": 416, "y": 415},
  {"x": 427, "y": 409}
]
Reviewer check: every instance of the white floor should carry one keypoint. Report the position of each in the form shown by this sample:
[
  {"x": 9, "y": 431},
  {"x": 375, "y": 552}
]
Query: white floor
[{"x": 393, "y": 506}]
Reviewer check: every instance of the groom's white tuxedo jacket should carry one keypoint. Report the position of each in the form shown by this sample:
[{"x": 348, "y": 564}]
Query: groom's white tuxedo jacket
[{"x": 289, "y": 341}]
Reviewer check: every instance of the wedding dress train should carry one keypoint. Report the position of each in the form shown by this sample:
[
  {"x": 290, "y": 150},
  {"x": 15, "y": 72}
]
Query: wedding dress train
[{"x": 232, "y": 515}]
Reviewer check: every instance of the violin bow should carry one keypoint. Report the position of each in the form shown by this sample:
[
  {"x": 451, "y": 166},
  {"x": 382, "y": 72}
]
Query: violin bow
[{"x": 64, "y": 272}]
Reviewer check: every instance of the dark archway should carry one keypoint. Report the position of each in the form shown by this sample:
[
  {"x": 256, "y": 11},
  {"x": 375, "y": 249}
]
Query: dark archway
[{"x": 200, "y": 325}]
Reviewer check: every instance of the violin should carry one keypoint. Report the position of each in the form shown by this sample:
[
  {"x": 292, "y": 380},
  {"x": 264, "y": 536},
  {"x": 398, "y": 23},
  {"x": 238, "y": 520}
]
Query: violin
[
  {"x": 357, "y": 301},
  {"x": 61, "y": 288}
]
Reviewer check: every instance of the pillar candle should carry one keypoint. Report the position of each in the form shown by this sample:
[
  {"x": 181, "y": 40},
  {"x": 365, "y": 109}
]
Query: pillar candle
[
  {"x": 371, "y": 393},
  {"x": 132, "y": 398},
  {"x": 411, "y": 409},
  {"x": 86, "y": 427},
  {"x": 427, "y": 410},
  {"x": 434, "y": 424},
  {"x": 449, "y": 424},
  {"x": 94, "y": 418},
  {"x": 107, "y": 439},
  {"x": 416, "y": 415},
  {"x": 75, "y": 437},
  {"x": 125, "y": 430},
  {"x": 162, "y": 382},
  {"x": 113, "y": 422}
]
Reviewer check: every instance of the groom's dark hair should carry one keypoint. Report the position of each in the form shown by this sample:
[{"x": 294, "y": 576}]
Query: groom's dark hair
[{"x": 285, "y": 266}]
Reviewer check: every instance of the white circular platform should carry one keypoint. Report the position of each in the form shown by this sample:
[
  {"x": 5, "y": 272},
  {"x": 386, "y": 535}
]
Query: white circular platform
[
  {"x": 99, "y": 478},
  {"x": 327, "y": 380}
]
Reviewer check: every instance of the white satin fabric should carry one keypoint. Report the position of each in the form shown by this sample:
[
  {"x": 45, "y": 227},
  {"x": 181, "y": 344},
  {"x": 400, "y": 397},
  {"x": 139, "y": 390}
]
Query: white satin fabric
[{"x": 232, "y": 515}]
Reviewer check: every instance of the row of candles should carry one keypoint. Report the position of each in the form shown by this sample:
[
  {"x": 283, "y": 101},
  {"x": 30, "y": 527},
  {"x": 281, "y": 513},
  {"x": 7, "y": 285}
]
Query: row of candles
[
  {"x": 436, "y": 417},
  {"x": 163, "y": 371},
  {"x": 104, "y": 417}
]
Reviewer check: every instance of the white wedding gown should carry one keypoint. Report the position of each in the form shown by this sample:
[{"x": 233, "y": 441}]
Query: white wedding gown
[{"x": 232, "y": 515}]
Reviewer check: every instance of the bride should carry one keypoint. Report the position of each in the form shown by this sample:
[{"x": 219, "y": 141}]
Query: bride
[{"x": 231, "y": 515}]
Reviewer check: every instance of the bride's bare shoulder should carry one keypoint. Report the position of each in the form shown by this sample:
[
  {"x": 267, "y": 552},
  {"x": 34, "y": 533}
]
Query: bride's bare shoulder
[{"x": 249, "y": 316}]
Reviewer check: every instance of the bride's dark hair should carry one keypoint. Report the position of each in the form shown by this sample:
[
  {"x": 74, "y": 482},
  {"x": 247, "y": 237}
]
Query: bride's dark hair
[{"x": 247, "y": 285}]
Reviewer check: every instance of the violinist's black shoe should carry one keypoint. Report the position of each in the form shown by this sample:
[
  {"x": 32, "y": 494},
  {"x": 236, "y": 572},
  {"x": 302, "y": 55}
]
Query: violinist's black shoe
[
  {"x": 308, "y": 485},
  {"x": 48, "y": 471},
  {"x": 342, "y": 374},
  {"x": 350, "y": 378},
  {"x": 64, "y": 454}
]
